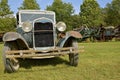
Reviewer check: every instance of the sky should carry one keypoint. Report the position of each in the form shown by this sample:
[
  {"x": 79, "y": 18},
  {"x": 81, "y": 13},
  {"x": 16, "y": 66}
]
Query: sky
[{"x": 15, "y": 4}]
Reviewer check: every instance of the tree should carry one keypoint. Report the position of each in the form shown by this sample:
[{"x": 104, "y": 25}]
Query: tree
[
  {"x": 63, "y": 11},
  {"x": 29, "y": 4},
  {"x": 113, "y": 13},
  {"x": 103, "y": 12},
  {"x": 75, "y": 21},
  {"x": 6, "y": 22},
  {"x": 4, "y": 8},
  {"x": 91, "y": 13}
]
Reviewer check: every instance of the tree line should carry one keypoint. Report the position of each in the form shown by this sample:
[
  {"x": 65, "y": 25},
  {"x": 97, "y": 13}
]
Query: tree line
[{"x": 91, "y": 14}]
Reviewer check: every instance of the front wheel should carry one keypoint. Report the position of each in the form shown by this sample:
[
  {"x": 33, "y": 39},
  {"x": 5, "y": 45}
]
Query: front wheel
[
  {"x": 10, "y": 64},
  {"x": 74, "y": 57}
]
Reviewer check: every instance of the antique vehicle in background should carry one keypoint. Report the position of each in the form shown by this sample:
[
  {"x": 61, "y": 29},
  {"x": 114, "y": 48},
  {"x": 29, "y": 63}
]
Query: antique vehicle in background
[
  {"x": 85, "y": 32},
  {"x": 104, "y": 33},
  {"x": 38, "y": 36},
  {"x": 97, "y": 33},
  {"x": 117, "y": 32}
]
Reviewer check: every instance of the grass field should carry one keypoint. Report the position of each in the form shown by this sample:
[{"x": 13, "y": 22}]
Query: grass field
[{"x": 100, "y": 61}]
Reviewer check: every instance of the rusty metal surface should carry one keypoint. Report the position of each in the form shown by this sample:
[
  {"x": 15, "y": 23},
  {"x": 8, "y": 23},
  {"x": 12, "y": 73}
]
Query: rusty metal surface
[
  {"x": 43, "y": 30},
  {"x": 67, "y": 37},
  {"x": 15, "y": 37},
  {"x": 36, "y": 53},
  {"x": 10, "y": 36},
  {"x": 75, "y": 34}
]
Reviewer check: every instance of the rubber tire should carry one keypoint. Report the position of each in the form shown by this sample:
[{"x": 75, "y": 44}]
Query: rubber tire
[
  {"x": 74, "y": 57},
  {"x": 8, "y": 64}
]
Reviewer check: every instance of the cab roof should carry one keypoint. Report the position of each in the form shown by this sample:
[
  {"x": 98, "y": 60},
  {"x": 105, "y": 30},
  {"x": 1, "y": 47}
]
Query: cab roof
[{"x": 36, "y": 11}]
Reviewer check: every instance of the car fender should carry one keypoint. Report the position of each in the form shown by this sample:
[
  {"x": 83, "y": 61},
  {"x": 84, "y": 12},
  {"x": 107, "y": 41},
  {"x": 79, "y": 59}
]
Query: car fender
[
  {"x": 66, "y": 40},
  {"x": 17, "y": 38}
]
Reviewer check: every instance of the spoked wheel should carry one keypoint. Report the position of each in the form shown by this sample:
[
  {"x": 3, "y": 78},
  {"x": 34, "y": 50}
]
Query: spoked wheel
[
  {"x": 10, "y": 64},
  {"x": 73, "y": 57}
]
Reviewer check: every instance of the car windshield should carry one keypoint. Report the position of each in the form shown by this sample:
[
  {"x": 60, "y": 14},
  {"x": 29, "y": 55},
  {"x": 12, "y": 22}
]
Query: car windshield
[{"x": 31, "y": 17}]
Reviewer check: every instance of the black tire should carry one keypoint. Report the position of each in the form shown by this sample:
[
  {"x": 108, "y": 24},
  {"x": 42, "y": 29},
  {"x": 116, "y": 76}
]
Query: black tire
[
  {"x": 74, "y": 57},
  {"x": 9, "y": 64}
]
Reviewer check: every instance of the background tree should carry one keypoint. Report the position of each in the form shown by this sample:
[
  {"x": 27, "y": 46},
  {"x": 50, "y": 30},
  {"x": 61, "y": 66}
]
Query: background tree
[
  {"x": 29, "y": 4},
  {"x": 104, "y": 15},
  {"x": 63, "y": 11},
  {"x": 7, "y": 23},
  {"x": 4, "y": 8},
  {"x": 90, "y": 13},
  {"x": 75, "y": 21},
  {"x": 113, "y": 13}
]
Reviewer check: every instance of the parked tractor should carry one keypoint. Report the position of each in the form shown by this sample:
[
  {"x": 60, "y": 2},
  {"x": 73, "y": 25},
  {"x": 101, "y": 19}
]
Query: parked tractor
[
  {"x": 104, "y": 33},
  {"x": 98, "y": 33},
  {"x": 117, "y": 32}
]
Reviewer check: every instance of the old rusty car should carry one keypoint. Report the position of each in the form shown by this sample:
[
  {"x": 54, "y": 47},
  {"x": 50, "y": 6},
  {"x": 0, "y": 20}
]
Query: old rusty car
[{"x": 38, "y": 36}]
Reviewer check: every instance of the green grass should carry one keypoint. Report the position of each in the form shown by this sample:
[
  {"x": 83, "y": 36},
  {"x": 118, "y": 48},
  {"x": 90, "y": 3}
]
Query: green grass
[{"x": 100, "y": 61}]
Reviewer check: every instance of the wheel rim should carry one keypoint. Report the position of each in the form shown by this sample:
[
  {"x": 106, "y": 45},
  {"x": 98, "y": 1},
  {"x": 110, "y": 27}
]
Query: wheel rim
[
  {"x": 11, "y": 64},
  {"x": 73, "y": 57}
]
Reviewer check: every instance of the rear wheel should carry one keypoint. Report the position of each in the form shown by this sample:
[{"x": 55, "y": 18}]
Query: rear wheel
[
  {"x": 10, "y": 64},
  {"x": 73, "y": 57}
]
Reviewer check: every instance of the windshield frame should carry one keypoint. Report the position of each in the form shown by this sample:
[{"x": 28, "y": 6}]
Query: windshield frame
[{"x": 35, "y": 12}]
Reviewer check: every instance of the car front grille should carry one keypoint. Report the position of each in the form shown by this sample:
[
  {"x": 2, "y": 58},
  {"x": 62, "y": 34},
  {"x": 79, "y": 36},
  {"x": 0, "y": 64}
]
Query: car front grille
[{"x": 43, "y": 34}]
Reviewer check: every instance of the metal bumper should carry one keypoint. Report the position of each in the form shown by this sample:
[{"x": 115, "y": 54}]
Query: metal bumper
[{"x": 42, "y": 54}]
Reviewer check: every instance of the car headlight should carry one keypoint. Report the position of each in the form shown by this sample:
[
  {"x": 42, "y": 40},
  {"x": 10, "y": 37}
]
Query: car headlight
[
  {"x": 61, "y": 26},
  {"x": 27, "y": 26}
]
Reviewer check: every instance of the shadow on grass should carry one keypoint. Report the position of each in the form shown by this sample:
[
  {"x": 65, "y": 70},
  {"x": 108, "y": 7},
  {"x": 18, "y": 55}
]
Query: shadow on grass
[{"x": 28, "y": 63}]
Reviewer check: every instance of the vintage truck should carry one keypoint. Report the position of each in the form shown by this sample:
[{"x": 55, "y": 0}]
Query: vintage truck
[{"x": 38, "y": 36}]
